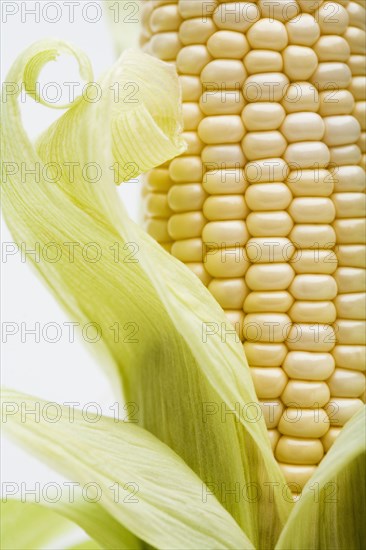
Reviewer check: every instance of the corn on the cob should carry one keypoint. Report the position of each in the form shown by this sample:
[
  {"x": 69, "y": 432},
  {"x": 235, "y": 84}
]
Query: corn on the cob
[{"x": 267, "y": 205}]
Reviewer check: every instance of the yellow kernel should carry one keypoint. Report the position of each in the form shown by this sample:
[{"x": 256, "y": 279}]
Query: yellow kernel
[
  {"x": 221, "y": 102},
  {"x": 165, "y": 45},
  {"x": 191, "y": 87},
  {"x": 301, "y": 96},
  {"x": 231, "y": 181},
  {"x": 303, "y": 423},
  {"x": 310, "y": 183},
  {"x": 299, "y": 451},
  {"x": 196, "y": 8},
  {"x": 351, "y": 255},
  {"x": 268, "y": 170},
  {"x": 314, "y": 235},
  {"x": 221, "y": 129},
  {"x": 158, "y": 229},
  {"x": 268, "y": 382},
  {"x": 228, "y": 156},
  {"x": 306, "y": 365},
  {"x": 269, "y": 249},
  {"x": 236, "y": 17},
  {"x": 357, "y": 64},
  {"x": 196, "y": 30},
  {"x": 359, "y": 112},
  {"x": 269, "y": 276},
  {"x": 347, "y": 383},
  {"x": 228, "y": 71},
  {"x": 269, "y": 196},
  {"x": 350, "y": 279},
  {"x": 303, "y": 30},
  {"x": 296, "y": 476},
  {"x": 182, "y": 198},
  {"x": 263, "y": 61},
  {"x": 226, "y": 262},
  {"x": 263, "y": 116},
  {"x": 332, "y": 18},
  {"x": 159, "y": 180},
  {"x": 270, "y": 224},
  {"x": 341, "y": 409},
  {"x": 188, "y": 250},
  {"x": 262, "y": 145},
  {"x": 356, "y": 39},
  {"x": 265, "y": 87},
  {"x": 332, "y": 48},
  {"x": 350, "y": 205},
  {"x": 313, "y": 312},
  {"x": 358, "y": 87},
  {"x": 225, "y": 207},
  {"x": 276, "y": 302},
  {"x": 346, "y": 154},
  {"x": 267, "y": 34},
  {"x": 299, "y": 62},
  {"x": 312, "y": 210},
  {"x": 305, "y": 394},
  {"x": 341, "y": 130},
  {"x": 194, "y": 144},
  {"x": 303, "y": 127},
  {"x": 350, "y": 357},
  {"x": 283, "y": 10},
  {"x": 265, "y": 354},
  {"x": 350, "y": 231},
  {"x": 314, "y": 287},
  {"x": 192, "y": 59},
  {"x": 314, "y": 261},
  {"x": 230, "y": 293},
  {"x": 351, "y": 306},
  {"x": 350, "y": 331},
  {"x": 192, "y": 116},
  {"x": 336, "y": 102},
  {"x": 186, "y": 226},
  {"x": 348, "y": 179},
  {"x": 331, "y": 72},
  {"x": 266, "y": 327},
  {"x": 356, "y": 14},
  {"x": 157, "y": 205},
  {"x": 165, "y": 18},
  {"x": 228, "y": 44},
  {"x": 186, "y": 169},
  {"x": 309, "y": 7},
  {"x": 308, "y": 154},
  {"x": 225, "y": 233},
  {"x": 311, "y": 337}
]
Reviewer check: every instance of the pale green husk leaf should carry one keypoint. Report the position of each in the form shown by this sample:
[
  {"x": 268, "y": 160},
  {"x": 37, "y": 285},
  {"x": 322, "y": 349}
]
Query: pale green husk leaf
[
  {"x": 142, "y": 483},
  {"x": 29, "y": 526}
]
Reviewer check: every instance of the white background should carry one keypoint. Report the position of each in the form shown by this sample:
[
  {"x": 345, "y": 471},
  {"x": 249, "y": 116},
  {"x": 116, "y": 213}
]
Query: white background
[{"x": 61, "y": 371}]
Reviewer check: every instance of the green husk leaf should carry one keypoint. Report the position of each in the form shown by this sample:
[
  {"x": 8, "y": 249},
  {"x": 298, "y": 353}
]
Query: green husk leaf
[
  {"x": 98, "y": 523},
  {"x": 141, "y": 482},
  {"x": 29, "y": 526},
  {"x": 166, "y": 368},
  {"x": 331, "y": 511},
  {"x": 42, "y": 522},
  {"x": 86, "y": 545}
]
